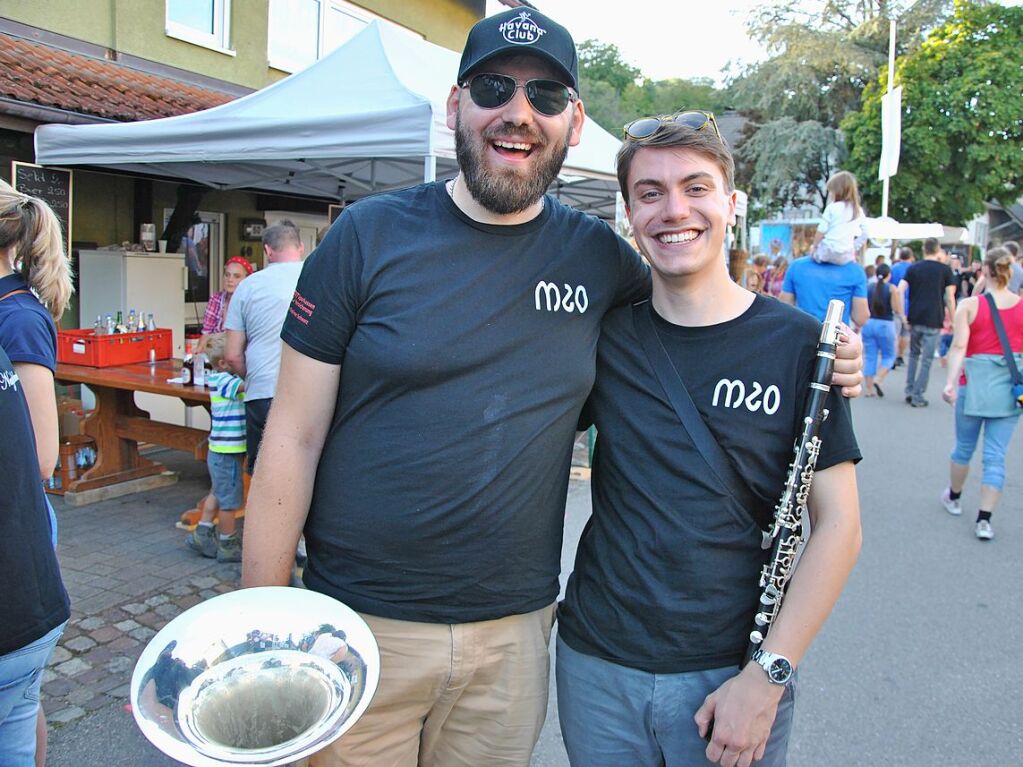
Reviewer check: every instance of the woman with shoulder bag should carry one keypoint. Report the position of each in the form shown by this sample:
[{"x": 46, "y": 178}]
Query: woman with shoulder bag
[{"x": 983, "y": 394}]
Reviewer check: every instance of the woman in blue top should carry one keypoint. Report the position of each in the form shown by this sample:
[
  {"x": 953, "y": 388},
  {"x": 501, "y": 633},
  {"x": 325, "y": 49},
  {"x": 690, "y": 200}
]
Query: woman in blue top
[{"x": 35, "y": 286}]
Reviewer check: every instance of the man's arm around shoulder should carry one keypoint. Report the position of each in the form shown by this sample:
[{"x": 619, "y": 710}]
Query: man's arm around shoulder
[{"x": 282, "y": 487}]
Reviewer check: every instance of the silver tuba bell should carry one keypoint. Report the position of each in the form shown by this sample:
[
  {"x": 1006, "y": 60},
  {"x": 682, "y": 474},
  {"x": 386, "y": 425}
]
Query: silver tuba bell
[{"x": 262, "y": 676}]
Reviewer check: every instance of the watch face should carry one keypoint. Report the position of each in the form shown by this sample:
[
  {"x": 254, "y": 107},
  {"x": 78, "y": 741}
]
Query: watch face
[{"x": 780, "y": 670}]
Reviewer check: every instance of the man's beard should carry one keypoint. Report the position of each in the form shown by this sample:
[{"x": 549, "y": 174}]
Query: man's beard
[{"x": 506, "y": 192}]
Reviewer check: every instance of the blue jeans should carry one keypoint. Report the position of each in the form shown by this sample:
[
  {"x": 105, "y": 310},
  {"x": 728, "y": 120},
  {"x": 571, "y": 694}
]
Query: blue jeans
[
  {"x": 614, "y": 715},
  {"x": 878, "y": 338},
  {"x": 922, "y": 343},
  {"x": 997, "y": 433},
  {"x": 21, "y": 676}
]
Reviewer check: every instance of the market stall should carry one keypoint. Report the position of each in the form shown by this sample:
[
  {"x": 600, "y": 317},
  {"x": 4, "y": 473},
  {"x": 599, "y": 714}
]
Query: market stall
[{"x": 368, "y": 117}]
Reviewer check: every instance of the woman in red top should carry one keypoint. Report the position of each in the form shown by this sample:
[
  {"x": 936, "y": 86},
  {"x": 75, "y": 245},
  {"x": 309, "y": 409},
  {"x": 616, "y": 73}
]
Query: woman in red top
[{"x": 974, "y": 333}]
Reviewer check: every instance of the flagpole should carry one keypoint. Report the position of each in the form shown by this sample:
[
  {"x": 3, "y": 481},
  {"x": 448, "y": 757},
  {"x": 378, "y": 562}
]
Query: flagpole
[{"x": 891, "y": 83}]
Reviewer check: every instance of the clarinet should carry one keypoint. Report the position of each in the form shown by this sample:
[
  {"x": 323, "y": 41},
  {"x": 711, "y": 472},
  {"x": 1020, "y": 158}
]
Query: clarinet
[{"x": 786, "y": 534}]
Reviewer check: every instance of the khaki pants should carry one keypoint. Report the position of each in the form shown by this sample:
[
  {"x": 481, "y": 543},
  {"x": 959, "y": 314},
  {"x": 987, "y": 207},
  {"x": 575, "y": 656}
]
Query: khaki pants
[{"x": 461, "y": 695}]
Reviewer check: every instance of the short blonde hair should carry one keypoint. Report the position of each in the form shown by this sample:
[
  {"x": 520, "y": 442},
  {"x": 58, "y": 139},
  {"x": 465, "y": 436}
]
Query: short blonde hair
[{"x": 215, "y": 348}]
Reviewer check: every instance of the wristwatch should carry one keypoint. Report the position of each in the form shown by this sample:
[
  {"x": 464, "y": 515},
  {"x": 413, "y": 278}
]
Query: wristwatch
[{"x": 779, "y": 668}]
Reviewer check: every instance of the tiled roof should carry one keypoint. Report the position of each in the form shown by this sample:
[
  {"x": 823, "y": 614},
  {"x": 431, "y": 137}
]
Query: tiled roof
[{"x": 48, "y": 76}]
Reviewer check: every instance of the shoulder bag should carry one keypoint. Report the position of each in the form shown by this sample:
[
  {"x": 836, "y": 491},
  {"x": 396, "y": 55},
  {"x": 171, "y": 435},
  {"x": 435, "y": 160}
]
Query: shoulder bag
[
  {"x": 713, "y": 454},
  {"x": 994, "y": 387}
]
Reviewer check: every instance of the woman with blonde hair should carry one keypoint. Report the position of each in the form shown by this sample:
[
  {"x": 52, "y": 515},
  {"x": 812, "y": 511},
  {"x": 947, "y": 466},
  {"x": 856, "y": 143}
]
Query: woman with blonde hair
[
  {"x": 975, "y": 333},
  {"x": 776, "y": 276},
  {"x": 35, "y": 286},
  {"x": 841, "y": 232}
]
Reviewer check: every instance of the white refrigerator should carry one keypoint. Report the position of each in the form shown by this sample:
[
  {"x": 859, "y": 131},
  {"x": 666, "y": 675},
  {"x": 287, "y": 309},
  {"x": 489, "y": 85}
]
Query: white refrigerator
[{"x": 118, "y": 280}]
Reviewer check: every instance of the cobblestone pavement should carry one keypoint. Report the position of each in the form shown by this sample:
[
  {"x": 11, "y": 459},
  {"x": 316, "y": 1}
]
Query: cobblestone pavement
[{"x": 128, "y": 573}]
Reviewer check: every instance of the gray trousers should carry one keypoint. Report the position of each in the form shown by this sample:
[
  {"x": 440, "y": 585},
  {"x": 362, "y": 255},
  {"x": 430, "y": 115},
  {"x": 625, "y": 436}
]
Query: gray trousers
[{"x": 922, "y": 344}]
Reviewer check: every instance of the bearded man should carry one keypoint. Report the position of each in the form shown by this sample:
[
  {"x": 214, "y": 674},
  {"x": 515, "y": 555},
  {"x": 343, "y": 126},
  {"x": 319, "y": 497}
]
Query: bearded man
[{"x": 438, "y": 352}]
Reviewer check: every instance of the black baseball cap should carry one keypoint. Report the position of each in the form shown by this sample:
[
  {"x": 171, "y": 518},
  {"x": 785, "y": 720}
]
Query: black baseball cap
[{"x": 521, "y": 31}]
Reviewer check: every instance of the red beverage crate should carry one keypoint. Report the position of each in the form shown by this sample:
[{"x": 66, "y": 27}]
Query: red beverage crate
[{"x": 84, "y": 347}]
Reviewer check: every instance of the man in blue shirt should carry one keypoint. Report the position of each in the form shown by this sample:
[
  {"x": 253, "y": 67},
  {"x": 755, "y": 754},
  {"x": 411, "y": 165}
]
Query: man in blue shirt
[{"x": 810, "y": 286}]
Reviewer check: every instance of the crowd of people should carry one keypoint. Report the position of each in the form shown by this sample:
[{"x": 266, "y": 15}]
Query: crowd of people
[{"x": 938, "y": 307}]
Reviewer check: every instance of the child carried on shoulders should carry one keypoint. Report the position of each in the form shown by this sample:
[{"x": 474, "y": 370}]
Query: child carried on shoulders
[{"x": 842, "y": 230}]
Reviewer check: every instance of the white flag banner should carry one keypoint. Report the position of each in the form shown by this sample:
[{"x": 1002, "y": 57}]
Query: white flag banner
[{"x": 891, "y": 133}]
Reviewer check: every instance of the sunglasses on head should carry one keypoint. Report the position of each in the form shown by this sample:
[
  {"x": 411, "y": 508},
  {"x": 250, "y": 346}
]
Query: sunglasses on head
[
  {"x": 645, "y": 127},
  {"x": 548, "y": 97}
]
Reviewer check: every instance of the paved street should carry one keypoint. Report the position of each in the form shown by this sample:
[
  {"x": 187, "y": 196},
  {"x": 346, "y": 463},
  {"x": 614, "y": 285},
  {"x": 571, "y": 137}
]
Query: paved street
[{"x": 917, "y": 666}]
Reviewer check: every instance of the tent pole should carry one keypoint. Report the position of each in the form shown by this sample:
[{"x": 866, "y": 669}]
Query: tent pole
[{"x": 430, "y": 168}]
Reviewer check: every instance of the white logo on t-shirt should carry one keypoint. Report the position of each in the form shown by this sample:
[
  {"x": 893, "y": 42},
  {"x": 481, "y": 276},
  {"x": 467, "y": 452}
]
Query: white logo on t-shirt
[
  {"x": 770, "y": 399},
  {"x": 565, "y": 298},
  {"x": 8, "y": 380},
  {"x": 522, "y": 30}
]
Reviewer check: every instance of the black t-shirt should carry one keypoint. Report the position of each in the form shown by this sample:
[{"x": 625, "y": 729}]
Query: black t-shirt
[
  {"x": 32, "y": 597},
  {"x": 667, "y": 570},
  {"x": 466, "y": 354},
  {"x": 927, "y": 282},
  {"x": 964, "y": 282}
]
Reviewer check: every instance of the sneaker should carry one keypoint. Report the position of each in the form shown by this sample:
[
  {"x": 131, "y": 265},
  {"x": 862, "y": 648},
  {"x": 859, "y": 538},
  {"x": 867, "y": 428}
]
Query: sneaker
[
  {"x": 229, "y": 549},
  {"x": 877, "y": 388},
  {"x": 909, "y": 399},
  {"x": 898, "y": 362},
  {"x": 984, "y": 531},
  {"x": 919, "y": 403},
  {"x": 955, "y": 508},
  {"x": 204, "y": 540}
]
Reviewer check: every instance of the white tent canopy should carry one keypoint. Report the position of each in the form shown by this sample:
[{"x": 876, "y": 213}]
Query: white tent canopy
[
  {"x": 368, "y": 117},
  {"x": 890, "y": 229}
]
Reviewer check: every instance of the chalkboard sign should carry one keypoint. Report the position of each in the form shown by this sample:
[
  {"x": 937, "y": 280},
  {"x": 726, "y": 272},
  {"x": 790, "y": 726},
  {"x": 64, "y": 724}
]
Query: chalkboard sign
[{"x": 53, "y": 185}]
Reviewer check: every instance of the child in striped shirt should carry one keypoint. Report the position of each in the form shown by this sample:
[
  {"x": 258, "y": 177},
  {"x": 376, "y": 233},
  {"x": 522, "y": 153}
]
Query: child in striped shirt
[{"x": 225, "y": 461}]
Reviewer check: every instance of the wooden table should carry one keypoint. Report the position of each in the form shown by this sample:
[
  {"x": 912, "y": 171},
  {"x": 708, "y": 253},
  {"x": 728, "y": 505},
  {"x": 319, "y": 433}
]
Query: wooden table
[{"x": 117, "y": 424}]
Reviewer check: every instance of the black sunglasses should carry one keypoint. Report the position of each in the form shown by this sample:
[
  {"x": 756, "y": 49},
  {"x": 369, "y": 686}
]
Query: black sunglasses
[
  {"x": 645, "y": 127},
  {"x": 548, "y": 97}
]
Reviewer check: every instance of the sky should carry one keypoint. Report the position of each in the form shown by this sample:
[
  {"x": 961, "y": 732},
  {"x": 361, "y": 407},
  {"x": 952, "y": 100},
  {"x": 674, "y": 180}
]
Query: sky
[{"x": 663, "y": 38}]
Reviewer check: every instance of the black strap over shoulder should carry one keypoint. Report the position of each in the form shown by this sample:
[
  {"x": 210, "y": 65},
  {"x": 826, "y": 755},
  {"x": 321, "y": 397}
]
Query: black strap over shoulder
[
  {"x": 996, "y": 318},
  {"x": 667, "y": 375}
]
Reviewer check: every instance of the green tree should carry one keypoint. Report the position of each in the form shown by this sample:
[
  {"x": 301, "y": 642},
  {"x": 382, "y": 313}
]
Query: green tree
[
  {"x": 962, "y": 121},
  {"x": 787, "y": 160},
  {"x": 821, "y": 58},
  {"x": 616, "y": 92}
]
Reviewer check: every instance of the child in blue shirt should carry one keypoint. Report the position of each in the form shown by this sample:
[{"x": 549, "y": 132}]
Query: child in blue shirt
[{"x": 225, "y": 460}]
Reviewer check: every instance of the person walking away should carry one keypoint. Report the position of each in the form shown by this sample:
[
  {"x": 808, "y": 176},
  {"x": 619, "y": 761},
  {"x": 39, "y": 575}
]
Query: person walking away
[
  {"x": 933, "y": 290},
  {"x": 35, "y": 287},
  {"x": 1016, "y": 283},
  {"x": 225, "y": 461},
  {"x": 842, "y": 229},
  {"x": 975, "y": 334},
  {"x": 905, "y": 259},
  {"x": 810, "y": 285},
  {"x": 879, "y": 332}
]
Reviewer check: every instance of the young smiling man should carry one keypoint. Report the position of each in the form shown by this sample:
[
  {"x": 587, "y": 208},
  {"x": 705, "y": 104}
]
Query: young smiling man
[
  {"x": 438, "y": 353},
  {"x": 658, "y": 611}
]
